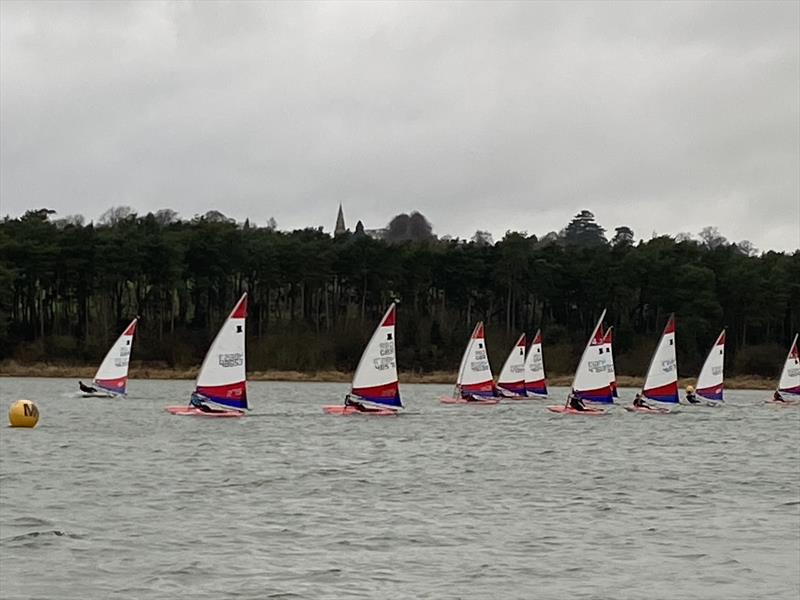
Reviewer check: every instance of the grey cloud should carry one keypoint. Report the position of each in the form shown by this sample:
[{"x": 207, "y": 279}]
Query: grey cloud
[{"x": 663, "y": 116}]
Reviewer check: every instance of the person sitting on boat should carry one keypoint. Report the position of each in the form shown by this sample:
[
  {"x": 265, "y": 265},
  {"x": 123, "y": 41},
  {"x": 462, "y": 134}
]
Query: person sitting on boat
[
  {"x": 196, "y": 401},
  {"x": 87, "y": 389},
  {"x": 348, "y": 401},
  {"x": 691, "y": 398},
  {"x": 639, "y": 402},
  {"x": 776, "y": 397},
  {"x": 575, "y": 402}
]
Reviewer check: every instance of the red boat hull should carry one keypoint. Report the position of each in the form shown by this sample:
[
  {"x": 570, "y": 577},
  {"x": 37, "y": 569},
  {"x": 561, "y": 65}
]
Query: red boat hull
[
  {"x": 350, "y": 410},
  {"x": 450, "y": 400},
  {"x": 592, "y": 412},
  {"x": 655, "y": 410},
  {"x": 186, "y": 411}
]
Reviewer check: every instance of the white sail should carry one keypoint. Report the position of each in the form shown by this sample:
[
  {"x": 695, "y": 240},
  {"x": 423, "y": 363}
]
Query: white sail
[
  {"x": 375, "y": 379},
  {"x": 222, "y": 377},
  {"x": 608, "y": 344},
  {"x": 711, "y": 379},
  {"x": 535, "y": 379},
  {"x": 112, "y": 374},
  {"x": 661, "y": 382},
  {"x": 790, "y": 376},
  {"x": 475, "y": 374},
  {"x": 512, "y": 375},
  {"x": 591, "y": 376}
]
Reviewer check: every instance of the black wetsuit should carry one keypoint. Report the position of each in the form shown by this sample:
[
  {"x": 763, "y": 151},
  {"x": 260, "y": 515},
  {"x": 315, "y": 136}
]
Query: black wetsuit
[
  {"x": 638, "y": 402},
  {"x": 576, "y": 403},
  {"x": 691, "y": 398},
  {"x": 87, "y": 389}
]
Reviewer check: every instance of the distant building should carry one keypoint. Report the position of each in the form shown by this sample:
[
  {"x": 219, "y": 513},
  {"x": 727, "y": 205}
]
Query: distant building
[
  {"x": 376, "y": 234},
  {"x": 340, "y": 227}
]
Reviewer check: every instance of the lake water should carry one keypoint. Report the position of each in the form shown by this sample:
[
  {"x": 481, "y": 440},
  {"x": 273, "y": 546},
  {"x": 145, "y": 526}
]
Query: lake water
[{"x": 118, "y": 499}]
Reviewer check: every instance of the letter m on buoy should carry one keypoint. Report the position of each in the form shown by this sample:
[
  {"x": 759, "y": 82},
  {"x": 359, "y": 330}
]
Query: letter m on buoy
[{"x": 30, "y": 410}]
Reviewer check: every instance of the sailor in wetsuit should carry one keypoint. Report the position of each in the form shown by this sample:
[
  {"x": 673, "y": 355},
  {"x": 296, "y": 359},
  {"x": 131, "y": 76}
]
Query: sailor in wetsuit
[
  {"x": 87, "y": 389},
  {"x": 575, "y": 402},
  {"x": 357, "y": 405},
  {"x": 690, "y": 396},
  {"x": 776, "y": 397},
  {"x": 196, "y": 401},
  {"x": 639, "y": 402}
]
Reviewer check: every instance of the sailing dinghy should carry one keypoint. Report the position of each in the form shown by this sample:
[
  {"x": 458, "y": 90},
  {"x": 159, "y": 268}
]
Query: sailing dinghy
[
  {"x": 474, "y": 384},
  {"x": 111, "y": 379},
  {"x": 612, "y": 375},
  {"x": 375, "y": 389},
  {"x": 591, "y": 377},
  {"x": 789, "y": 382},
  {"x": 221, "y": 388},
  {"x": 711, "y": 380},
  {"x": 511, "y": 382},
  {"x": 535, "y": 380},
  {"x": 661, "y": 382}
]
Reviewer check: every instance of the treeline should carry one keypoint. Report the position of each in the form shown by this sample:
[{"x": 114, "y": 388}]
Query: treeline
[{"x": 67, "y": 289}]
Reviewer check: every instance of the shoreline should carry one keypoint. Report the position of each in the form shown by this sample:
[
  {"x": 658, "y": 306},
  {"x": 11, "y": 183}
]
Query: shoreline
[{"x": 13, "y": 369}]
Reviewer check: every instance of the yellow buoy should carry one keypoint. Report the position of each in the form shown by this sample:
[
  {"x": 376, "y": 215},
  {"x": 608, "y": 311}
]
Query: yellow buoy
[{"x": 23, "y": 413}]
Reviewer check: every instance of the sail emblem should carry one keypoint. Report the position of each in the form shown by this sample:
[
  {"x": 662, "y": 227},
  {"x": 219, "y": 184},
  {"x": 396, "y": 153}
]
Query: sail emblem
[{"x": 231, "y": 360}]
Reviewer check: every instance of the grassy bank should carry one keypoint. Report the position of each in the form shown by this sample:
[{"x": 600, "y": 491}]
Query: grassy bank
[{"x": 140, "y": 371}]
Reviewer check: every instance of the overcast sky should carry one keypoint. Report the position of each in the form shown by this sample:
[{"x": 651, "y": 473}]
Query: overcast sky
[{"x": 664, "y": 117}]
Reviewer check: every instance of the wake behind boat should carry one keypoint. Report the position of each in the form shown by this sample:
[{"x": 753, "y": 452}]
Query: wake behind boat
[
  {"x": 474, "y": 384},
  {"x": 111, "y": 379},
  {"x": 375, "y": 390},
  {"x": 221, "y": 388}
]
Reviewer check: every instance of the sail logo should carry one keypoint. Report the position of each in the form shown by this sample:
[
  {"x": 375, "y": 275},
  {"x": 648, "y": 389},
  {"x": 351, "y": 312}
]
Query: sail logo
[
  {"x": 387, "y": 348},
  {"x": 517, "y": 368},
  {"x": 536, "y": 361},
  {"x": 383, "y": 363},
  {"x": 124, "y": 351},
  {"x": 480, "y": 355},
  {"x": 479, "y": 365},
  {"x": 121, "y": 362},
  {"x": 793, "y": 372},
  {"x": 597, "y": 366},
  {"x": 668, "y": 365},
  {"x": 231, "y": 360},
  {"x": 716, "y": 371}
]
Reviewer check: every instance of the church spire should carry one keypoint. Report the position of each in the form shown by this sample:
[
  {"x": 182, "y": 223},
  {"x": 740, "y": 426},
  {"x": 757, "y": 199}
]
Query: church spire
[{"x": 340, "y": 228}]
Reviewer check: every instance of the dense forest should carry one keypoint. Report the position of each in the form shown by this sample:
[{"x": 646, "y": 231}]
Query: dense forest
[{"x": 67, "y": 288}]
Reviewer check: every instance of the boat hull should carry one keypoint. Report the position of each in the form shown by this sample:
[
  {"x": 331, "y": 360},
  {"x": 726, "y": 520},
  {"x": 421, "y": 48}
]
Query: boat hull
[
  {"x": 350, "y": 410},
  {"x": 190, "y": 411},
  {"x": 784, "y": 403},
  {"x": 654, "y": 410},
  {"x": 566, "y": 410},
  {"x": 451, "y": 400},
  {"x": 100, "y": 395}
]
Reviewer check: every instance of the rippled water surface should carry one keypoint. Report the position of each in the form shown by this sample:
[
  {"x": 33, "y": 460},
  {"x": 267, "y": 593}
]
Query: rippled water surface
[{"x": 119, "y": 499}]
